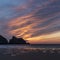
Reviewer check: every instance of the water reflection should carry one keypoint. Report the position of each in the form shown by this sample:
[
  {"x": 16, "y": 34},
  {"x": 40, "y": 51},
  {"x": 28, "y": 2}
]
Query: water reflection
[{"x": 20, "y": 50}]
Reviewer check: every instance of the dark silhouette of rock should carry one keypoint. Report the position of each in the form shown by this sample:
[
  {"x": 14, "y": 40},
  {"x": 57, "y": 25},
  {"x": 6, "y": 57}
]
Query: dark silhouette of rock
[
  {"x": 16, "y": 40},
  {"x": 3, "y": 40}
]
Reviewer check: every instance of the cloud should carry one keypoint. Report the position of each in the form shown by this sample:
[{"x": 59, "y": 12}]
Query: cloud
[{"x": 31, "y": 19}]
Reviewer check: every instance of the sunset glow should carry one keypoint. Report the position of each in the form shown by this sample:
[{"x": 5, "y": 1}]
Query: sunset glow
[{"x": 37, "y": 21}]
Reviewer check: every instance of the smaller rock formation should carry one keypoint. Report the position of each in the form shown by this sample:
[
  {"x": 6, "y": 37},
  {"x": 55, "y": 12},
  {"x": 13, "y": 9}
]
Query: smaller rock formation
[{"x": 3, "y": 40}]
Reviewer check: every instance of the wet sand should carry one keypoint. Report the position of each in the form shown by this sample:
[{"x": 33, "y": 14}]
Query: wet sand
[{"x": 30, "y": 54}]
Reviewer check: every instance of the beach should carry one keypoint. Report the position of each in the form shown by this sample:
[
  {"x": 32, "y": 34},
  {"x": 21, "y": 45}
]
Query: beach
[{"x": 25, "y": 52}]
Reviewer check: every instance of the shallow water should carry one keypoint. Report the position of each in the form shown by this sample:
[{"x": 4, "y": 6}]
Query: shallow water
[{"x": 16, "y": 50}]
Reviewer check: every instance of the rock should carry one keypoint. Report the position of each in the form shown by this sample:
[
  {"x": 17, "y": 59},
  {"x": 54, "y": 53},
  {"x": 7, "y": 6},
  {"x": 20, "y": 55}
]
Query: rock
[
  {"x": 3, "y": 40},
  {"x": 16, "y": 40}
]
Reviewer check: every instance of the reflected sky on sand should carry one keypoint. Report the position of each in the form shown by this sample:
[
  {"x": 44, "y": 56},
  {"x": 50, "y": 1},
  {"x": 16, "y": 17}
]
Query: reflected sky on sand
[{"x": 22, "y": 50}]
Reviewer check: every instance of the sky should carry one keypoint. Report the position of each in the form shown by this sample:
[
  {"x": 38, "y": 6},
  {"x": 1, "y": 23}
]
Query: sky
[{"x": 37, "y": 21}]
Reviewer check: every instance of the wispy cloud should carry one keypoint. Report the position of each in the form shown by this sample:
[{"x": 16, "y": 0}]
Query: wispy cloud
[{"x": 31, "y": 19}]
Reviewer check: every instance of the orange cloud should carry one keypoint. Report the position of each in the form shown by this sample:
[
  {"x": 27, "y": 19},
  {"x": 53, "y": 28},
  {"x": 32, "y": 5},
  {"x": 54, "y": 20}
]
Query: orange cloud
[
  {"x": 25, "y": 26},
  {"x": 36, "y": 27}
]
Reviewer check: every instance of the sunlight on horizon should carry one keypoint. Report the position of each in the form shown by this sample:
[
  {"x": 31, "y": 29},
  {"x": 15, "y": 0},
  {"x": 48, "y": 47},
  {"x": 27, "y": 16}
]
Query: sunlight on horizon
[{"x": 53, "y": 37}]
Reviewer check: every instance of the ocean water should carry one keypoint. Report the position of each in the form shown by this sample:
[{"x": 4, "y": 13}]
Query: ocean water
[{"x": 16, "y": 50}]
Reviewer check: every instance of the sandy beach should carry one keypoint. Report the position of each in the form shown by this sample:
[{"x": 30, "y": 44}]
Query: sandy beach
[
  {"x": 31, "y": 56},
  {"x": 29, "y": 53}
]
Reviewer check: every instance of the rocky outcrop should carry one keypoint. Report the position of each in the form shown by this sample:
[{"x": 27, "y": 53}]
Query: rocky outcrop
[
  {"x": 16, "y": 40},
  {"x": 3, "y": 40}
]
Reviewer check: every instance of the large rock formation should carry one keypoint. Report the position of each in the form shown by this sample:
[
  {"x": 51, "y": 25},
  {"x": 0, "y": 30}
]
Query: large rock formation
[
  {"x": 3, "y": 40},
  {"x": 16, "y": 40}
]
